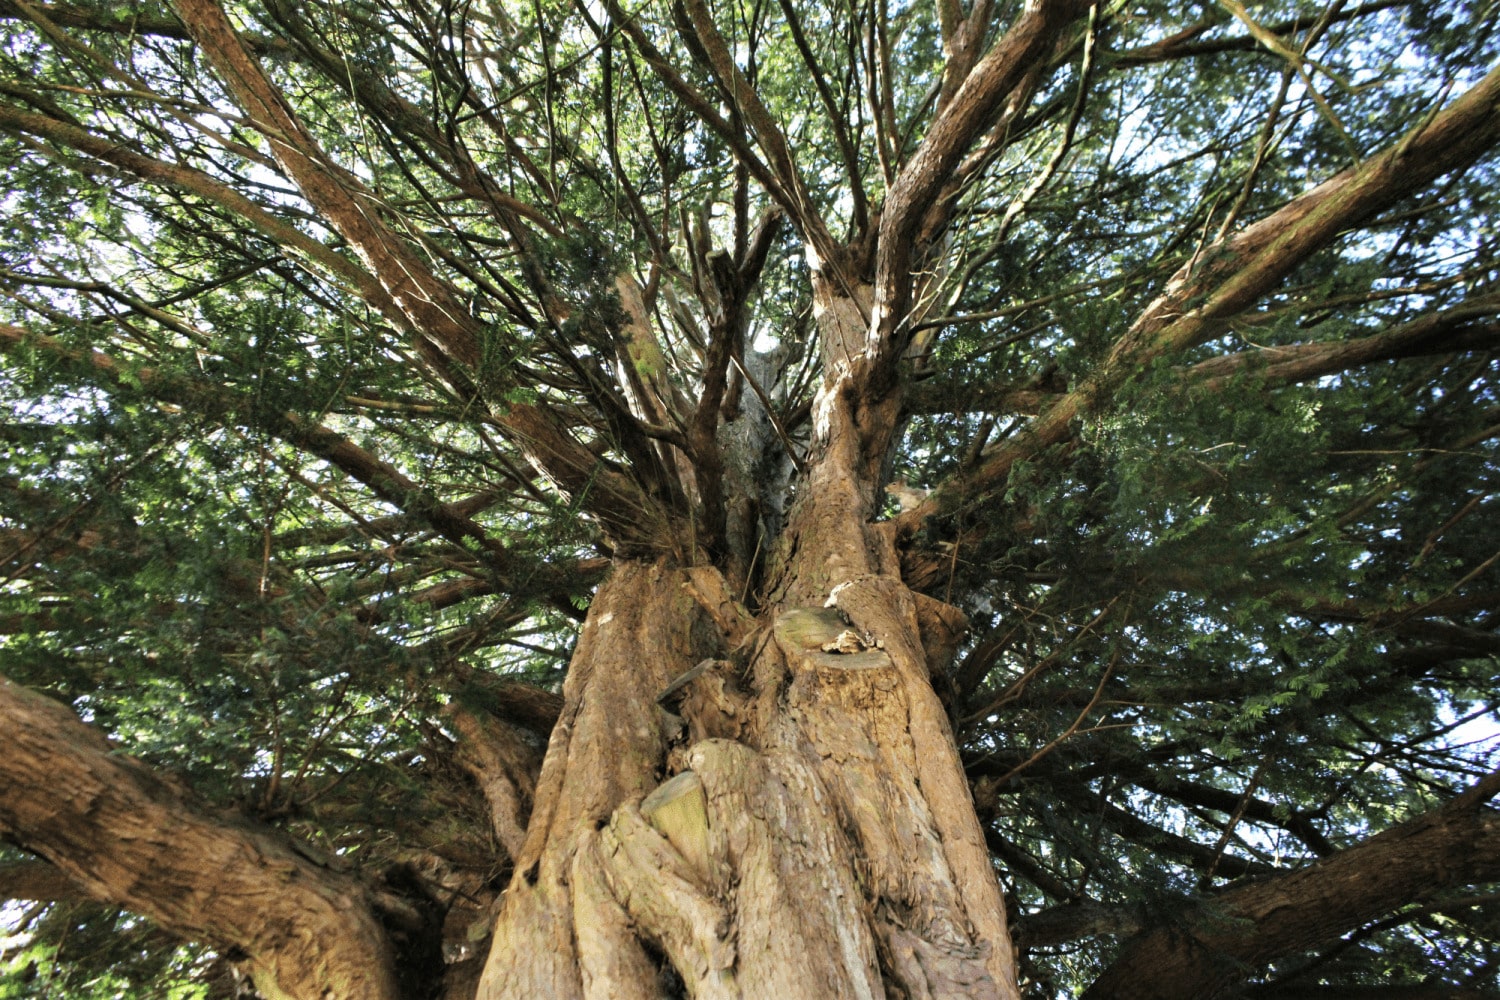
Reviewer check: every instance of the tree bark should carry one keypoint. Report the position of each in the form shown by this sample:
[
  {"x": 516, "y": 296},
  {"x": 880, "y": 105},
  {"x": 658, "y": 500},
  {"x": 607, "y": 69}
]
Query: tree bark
[
  {"x": 799, "y": 824},
  {"x": 813, "y": 836},
  {"x": 1208, "y": 952},
  {"x": 124, "y": 835}
]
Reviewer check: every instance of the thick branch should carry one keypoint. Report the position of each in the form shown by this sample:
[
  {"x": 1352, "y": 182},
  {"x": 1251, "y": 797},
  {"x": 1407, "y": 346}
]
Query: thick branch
[
  {"x": 973, "y": 109},
  {"x": 196, "y": 183},
  {"x": 1460, "y": 328},
  {"x": 1183, "y": 45},
  {"x": 36, "y": 880},
  {"x": 428, "y": 304},
  {"x": 1226, "y": 278},
  {"x": 129, "y": 838},
  {"x": 1073, "y": 921},
  {"x": 1244, "y": 928},
  {"x": 768, "y": 134},
  {"x": 416, "y": 298},
  {"x": 121, "y": 21}
]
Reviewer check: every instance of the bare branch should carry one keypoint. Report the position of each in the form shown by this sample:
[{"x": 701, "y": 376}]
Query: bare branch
[
  {"x": 127, "y": 837},
  {"x": 1454, "y": 845}
]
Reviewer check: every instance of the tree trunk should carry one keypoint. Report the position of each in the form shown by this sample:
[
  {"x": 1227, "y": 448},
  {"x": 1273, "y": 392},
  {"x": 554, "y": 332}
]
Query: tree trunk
[
  {"x": 772, "y": 803},
  {"x": 801, "y": 826}
]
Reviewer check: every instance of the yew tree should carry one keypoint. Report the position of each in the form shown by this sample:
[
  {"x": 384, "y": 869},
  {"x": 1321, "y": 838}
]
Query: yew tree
[{"x": 733, "y": 498}]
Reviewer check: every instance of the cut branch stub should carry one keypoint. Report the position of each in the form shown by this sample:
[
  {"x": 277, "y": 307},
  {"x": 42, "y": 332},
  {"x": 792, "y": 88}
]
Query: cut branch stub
[
  {"x": 710, "y": 700},
  {"x": 819, "y": 636},
  {"x": 942, "y": 627},
  {"x": 676, "y": 809}
]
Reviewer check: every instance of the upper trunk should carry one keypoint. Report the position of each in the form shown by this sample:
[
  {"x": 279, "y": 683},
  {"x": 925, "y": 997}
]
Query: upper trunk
[{"x": 774, "y": 803}]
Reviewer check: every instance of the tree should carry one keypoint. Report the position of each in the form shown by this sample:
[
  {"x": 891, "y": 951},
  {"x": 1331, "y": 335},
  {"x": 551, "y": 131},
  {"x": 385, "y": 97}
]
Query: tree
[{"x": 694, "y": 498}]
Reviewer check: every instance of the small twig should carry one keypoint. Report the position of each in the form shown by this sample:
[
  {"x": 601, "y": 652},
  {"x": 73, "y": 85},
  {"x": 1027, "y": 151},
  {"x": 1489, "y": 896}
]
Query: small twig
[
  {"x": 1234, "y": 821},
  {"x": 1044, "y": 751}
]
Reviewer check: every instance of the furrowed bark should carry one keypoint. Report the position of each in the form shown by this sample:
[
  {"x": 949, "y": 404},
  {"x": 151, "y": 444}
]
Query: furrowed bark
[
  {"x": 127, "y": 837},
  {"x": 928, "y": 869},
  {"x": 37, "y": 881},
  {"x": 645, "y": 627},
  {"x": 817, "y": 838}
]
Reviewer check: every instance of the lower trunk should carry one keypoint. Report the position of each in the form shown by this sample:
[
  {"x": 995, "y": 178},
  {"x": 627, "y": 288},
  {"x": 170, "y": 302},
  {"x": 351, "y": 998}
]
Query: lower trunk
[{"x": 750, "y": 808}]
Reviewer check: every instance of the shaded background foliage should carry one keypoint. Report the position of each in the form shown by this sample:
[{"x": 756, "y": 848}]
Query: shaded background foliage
[{"x": 1238, "y": 623}]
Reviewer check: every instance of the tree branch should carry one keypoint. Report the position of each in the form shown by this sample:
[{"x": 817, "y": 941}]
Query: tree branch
[
  {"x": 127, "y": 837},
  {"x": 974, "y": 108},
  {"x": 1226, "y": 278},
  {"x": 1212, "y": 948},
  {"x": 768, "y": 134},
  {"x": 383, "y": 479}
]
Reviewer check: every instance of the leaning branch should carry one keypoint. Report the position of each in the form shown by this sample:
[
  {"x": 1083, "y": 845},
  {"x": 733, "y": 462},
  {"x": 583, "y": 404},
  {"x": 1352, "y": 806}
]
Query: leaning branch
[
  {"x": 195, "y": 183},
  {"x": 1467, "y": 326},
  {"x": 424, "y": 301},
  {"x": 763, "y": 125},
  {"x": 384, "y": 480},
  {"x": 1228, "y": 277},
  {"x": 127, "y": 837},
  {"x": 704, "y": 109},
  {"x": 1464, "y": 327},
  {"x": 1217, "y": 946},
  {"x": 974, "y": 108},
  {"x": 414, "y": 296}
]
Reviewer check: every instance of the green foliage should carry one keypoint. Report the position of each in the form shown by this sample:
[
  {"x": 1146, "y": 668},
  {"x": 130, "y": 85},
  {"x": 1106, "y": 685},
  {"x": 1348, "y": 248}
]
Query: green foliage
[
  {"x": 94, "y": 952},
  {"x": 1257, "y": 593}
]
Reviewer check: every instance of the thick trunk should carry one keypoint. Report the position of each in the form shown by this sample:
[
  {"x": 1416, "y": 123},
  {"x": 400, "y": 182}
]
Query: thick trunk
[
  {"x": 771, "y": 806},
  {"x": 801, "y": 829}
]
